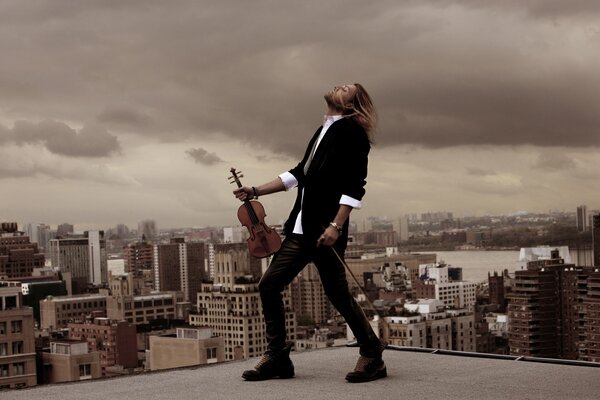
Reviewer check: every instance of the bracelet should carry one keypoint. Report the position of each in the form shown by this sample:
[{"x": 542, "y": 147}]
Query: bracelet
[
  {"x": 336, "y": 226},
  {"x": 255, "y": 192}
]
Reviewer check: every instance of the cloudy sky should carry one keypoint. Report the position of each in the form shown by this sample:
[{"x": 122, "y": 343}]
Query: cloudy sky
[{"x": 117, "y": 111}]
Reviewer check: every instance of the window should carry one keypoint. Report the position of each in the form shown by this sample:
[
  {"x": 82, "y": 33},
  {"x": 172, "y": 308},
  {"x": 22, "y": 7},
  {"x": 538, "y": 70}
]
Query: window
[
  {"x": 4, "y": 370},
  {"x": 18, "y": 368},
  {"x": 85, "y": 371},
  {"x": 211, "y": 353},
  {"x": 3, "y": 349},
  {"x": 2, "y": 328},
  {"x": 17, "y": 347},
  {"x": 17, "y": 326}
]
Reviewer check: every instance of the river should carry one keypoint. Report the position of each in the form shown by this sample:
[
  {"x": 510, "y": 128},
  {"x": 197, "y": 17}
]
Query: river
[{"x": 477, "y": 263}]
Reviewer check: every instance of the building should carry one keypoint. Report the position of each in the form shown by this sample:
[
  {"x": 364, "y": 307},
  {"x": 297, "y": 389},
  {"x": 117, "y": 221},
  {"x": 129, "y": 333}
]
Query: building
[
  {"x": 114, "y": 341},
  {"x": 454, "y": 294},
  {"x": 581, "y": 218},
  {"x": 478, "y": 238},
  {"x": 373, "y": 262},
  {"x": 142, "y": 309},
  {"x": 138, "y": 257},
  {"x": 379, "y": 238},
  {"x": 84, "y": 256},
  {"x": 235, "y": 234},
  {"x": 64, "y": 230},
  {"x": 179, "y": 266},
  {"x": 231, "y": 305},
  {"x": 209, "y": 261},
  {"x": 148, "y": 229},
  {"x": 18, "y": 256},
  {"x": 35, "y": 289},
  {"x": 309, "y": 300},
  {"x": 428, "y": 324},
  {"x": 409, "y": 331},
  {"x": 57, "y": 312},
  {"x": 188, "y": 347},
  {"x": 549, "y": 306},
  {"x": 401, "y": 228},
  {"x": 70, "y": 361},
  {"x": 234, "y": 312},
  {"x": 41, "y": 234},
  {"x": 590, "y": 348},
  {"x": 596, "y": 240},
  {"x": 496, "y": 290},
  {"x": 319, "y": 339},
  {"x": 17, "y": 340}
]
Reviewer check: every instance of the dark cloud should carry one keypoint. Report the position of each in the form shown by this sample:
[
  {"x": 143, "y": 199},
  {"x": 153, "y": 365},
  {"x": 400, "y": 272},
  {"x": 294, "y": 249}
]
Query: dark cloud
[
  {"x": 202, "y": 156},
  {"x": 59, "y": 138},
  {"x": 442, "y": 73},
  {"x": 124, "y": 116},
  {"x": 554, "y": 162},
  {"x": 479, "y": 172},
  {"x": 536, "y": 8}
]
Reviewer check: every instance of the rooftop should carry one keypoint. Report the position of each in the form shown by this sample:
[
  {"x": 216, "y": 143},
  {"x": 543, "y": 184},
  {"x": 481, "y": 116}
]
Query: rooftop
[{"x": 320, "y": 374}]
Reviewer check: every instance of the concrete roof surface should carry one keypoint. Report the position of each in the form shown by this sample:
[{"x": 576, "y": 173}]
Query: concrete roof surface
[{"x": 320, "y": 375}]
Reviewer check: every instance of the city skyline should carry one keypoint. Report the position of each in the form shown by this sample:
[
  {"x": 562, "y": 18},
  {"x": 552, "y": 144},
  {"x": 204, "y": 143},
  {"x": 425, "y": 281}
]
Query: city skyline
[{"x": 119, "y": 113}]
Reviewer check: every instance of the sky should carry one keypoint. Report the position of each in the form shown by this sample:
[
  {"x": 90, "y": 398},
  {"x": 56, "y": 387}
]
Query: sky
[{"x": 118, "y": 111}]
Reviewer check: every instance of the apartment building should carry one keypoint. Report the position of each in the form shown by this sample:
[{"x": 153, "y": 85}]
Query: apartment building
[
  {"x": 58, "y": 312},
  {"x": 17, "y": 340}
]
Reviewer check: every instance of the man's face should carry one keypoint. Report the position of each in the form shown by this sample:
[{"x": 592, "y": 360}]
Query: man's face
[{"x": 340, "y": 97}]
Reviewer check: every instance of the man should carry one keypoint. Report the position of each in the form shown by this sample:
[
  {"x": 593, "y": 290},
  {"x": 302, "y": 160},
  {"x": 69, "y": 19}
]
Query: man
[{"x": 330, "y": 181}]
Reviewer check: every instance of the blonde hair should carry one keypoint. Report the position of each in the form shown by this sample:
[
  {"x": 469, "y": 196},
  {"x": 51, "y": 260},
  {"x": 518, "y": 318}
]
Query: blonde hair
[{"x": 363, "y": 111}]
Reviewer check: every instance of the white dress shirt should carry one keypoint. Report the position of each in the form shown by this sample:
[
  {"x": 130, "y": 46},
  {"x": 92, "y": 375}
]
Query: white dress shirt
[{"x": 290, "y": 181}]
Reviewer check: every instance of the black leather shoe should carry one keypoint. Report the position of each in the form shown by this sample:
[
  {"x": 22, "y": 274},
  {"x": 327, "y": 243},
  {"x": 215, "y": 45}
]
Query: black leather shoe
[
  {"x": 369, "y": 368},
  {"x": 271, "y": 366}
]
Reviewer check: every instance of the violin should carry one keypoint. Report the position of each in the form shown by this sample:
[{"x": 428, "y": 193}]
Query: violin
[{"x": 263, "y": 240}]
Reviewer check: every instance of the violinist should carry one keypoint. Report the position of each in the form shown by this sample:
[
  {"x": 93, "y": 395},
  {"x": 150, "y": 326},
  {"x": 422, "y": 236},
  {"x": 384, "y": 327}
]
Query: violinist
[{"x": 330, "y": 182}]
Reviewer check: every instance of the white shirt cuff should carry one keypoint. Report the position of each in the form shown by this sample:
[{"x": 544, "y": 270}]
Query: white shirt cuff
[
  {"x": 289, "y": 180},
  {"x": 349, "y": 201}
]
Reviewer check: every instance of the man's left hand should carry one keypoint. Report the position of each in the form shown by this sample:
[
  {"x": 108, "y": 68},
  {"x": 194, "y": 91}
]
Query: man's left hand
[{"x": 329, "y": 237}]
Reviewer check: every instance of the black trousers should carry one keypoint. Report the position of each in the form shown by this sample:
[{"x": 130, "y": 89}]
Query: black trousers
[{"x": 294, "y": 255}]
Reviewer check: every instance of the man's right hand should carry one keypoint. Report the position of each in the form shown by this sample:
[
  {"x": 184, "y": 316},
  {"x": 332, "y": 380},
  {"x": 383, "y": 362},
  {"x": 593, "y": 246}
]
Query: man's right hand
[{"x": 244, "y": 193}]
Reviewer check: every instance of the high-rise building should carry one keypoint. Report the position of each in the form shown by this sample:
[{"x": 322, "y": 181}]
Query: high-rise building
[
  {"x": 17, "y": 339},
  {"x": 84, "y": 256},
  {"x": 179, "y": 266},
  {"x": 41, "y": 234},
  {"x": 231, "y": 305},
  {"x": 581, "y": 218},
  {"x": 148, "y": 229},
  {"x": 18, "y": 256},
  {"x": 209, "y": 261},
  {"x": 590, "y": 348},
  {"x": 546, "y": 312},
  {"x": 401, "y": 228},
  {"x": 64, "y": 230},
  {"x": 309, "y": 298},
  {"x": 98, "y": 258},
  {"x": 138, "y": 256},
  {"x": 596, "y": 239},
  {"x": 496, "y": 288}
]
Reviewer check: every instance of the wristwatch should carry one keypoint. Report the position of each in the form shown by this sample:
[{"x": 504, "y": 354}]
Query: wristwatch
[{"x": 336, "y": 226}]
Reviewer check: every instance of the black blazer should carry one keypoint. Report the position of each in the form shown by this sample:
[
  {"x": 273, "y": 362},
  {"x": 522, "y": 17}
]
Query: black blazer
[{"x": 338, "y": 167}]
